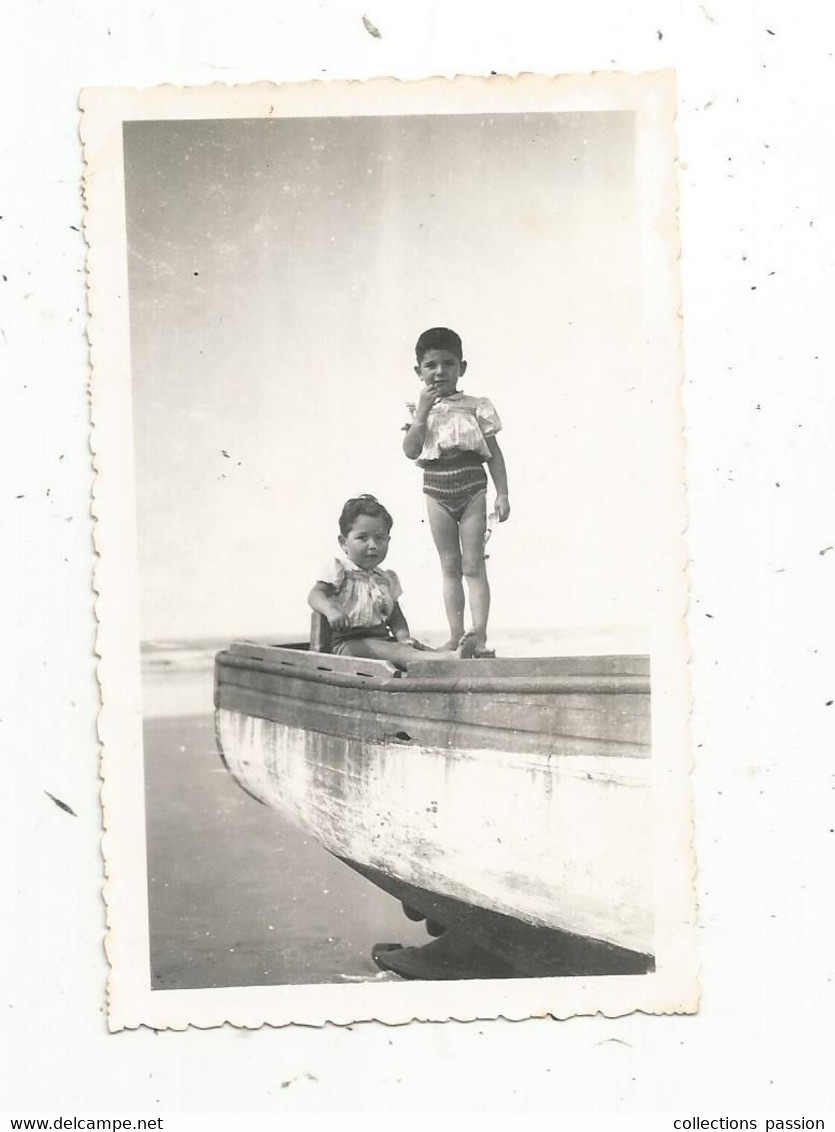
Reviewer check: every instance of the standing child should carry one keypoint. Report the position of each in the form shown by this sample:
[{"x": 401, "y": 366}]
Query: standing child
[
  {"x": 361, "y": 600},
  {"x": 452, "y": 436}
]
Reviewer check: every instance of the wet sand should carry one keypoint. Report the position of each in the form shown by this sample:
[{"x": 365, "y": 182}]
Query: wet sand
[{"x": 237, "y": 897}]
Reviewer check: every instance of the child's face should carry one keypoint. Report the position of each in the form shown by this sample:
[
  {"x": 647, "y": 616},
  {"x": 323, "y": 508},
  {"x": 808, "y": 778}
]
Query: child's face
[
  {"x": 440, "y": 370},
  {"x": 367, "y": 542}
]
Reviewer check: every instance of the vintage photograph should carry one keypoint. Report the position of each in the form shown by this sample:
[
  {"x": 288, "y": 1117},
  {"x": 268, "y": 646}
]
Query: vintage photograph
[{"x": 390, "y": 510}]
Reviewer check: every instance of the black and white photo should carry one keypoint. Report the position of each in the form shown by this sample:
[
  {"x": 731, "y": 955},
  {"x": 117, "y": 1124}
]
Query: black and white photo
[{"x": 390, "y": 501}]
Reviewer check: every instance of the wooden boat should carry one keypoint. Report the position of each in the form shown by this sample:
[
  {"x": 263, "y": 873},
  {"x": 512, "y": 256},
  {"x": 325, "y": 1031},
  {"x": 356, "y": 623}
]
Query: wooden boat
[{"x": 507, "y": 802}]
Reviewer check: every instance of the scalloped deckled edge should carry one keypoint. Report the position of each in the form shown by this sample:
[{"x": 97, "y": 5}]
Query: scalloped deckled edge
[{"x": 130, "y": 1003}]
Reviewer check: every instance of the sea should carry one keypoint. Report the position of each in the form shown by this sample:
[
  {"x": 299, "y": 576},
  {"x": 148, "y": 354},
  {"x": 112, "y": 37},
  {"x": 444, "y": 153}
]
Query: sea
[{"x": 236, "y": 895}]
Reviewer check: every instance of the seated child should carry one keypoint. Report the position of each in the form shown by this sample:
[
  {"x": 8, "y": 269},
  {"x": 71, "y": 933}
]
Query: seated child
[{"x": 361, "y": 601}]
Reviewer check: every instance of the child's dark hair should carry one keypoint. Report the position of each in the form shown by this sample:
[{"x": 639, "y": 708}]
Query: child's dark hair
[
  {"x": 363, "y": 505},
  {"x": 439, "y": 338}
]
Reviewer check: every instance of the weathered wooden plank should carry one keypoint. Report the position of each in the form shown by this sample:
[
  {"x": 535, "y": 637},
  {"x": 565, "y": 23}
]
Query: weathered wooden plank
[
  {"x": 473, "y": 680},
  {"x": 277, "y": 658},
  {"x": 583, "y": 715},
  {"x": 320, "y": 633},
  {"x": 603, "y": 736},
  {"x": 502, "y": 667},
  {"x": 468, "y": 677},
  {"x": 598, "y": 718},
  {"x": 498, "y": 669}
]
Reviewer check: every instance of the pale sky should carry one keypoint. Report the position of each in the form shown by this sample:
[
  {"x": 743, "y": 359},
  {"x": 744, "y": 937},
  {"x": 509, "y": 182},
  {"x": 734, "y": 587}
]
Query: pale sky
[{"x": 280, "y": 272}]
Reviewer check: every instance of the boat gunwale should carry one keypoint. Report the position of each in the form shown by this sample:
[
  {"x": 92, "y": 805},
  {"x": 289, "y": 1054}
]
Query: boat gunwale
[
  {"x": 527, "y": 744},
  {"x": 448, "y": 684}
]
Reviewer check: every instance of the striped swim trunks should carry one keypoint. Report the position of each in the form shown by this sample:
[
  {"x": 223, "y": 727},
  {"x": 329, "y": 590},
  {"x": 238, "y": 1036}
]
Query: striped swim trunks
[{"x": 455, "y": 481}]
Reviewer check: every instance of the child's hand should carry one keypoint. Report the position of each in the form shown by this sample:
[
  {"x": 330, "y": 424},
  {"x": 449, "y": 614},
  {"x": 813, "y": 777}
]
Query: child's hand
[
  {"x": 337, "y": 619},
  {"x": 428, "y": 397},
  {"x": 502, "y": 507}
]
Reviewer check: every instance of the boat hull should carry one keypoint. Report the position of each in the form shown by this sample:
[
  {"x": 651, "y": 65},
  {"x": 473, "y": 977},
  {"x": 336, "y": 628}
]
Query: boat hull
[
  {"x": 526, "y": 801},
  {"x": 479, "y": 943}
]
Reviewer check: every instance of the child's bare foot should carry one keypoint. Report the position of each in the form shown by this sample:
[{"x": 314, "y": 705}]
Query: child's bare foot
[
  {"x": 467, "y": 646},
  {"x": 449, "y": 646},
  {"x": 481, "y": 651}
]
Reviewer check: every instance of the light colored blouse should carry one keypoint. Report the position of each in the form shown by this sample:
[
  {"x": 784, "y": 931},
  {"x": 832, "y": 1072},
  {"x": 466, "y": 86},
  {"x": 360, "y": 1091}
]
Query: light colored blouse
[
  {"x": 458, "y": 423},
  {"x": 367, "y": 597}
]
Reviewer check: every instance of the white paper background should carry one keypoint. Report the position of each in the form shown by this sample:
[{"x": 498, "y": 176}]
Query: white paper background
[{"x": 758, "y": 258}]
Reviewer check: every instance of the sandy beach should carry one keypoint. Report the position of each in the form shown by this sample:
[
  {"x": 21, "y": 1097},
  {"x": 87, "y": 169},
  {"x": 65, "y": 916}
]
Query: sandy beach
[{"x": 237, "y": 897}]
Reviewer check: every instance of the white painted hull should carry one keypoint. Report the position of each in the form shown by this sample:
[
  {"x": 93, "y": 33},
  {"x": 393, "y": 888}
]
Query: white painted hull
[{"x": 556, "y": 841}]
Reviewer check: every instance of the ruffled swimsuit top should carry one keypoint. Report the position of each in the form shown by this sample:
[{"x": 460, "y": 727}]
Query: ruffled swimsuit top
[{"x": 458, "y": 424}]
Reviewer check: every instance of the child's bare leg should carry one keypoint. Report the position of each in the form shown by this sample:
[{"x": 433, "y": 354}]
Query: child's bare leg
[
  {"x": 444, "y": 530},
  {"x": 472, "y": 526},
  {"x": 403, "y": 655}
]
